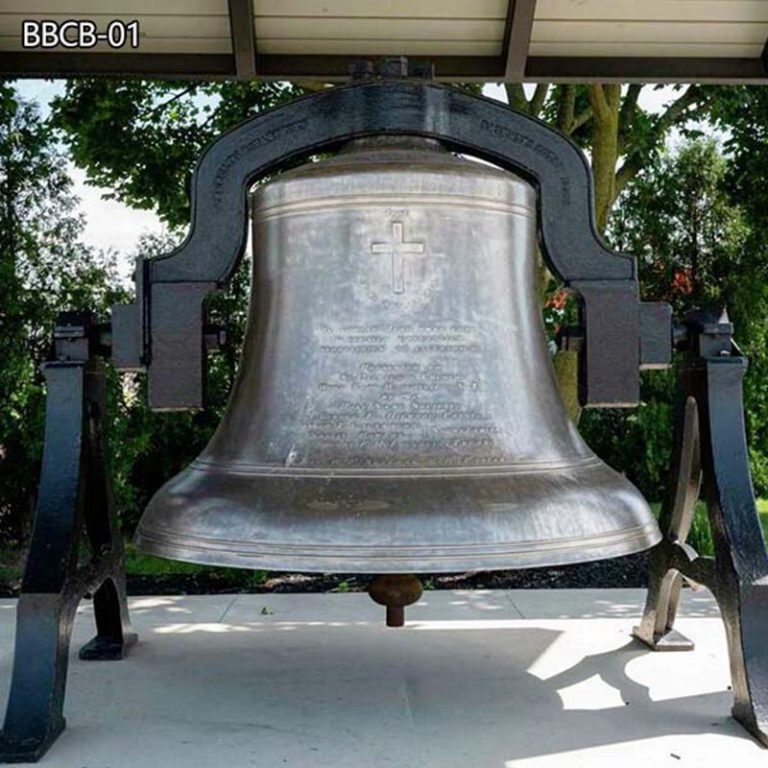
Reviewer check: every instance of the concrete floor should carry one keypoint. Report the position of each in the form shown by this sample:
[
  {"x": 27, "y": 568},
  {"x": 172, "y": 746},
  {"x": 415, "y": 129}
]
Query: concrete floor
[{"x": 484, "y": 679}]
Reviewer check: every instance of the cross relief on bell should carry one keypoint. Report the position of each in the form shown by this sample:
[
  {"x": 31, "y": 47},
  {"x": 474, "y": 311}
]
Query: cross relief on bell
[{"x": 399, "y": 250}]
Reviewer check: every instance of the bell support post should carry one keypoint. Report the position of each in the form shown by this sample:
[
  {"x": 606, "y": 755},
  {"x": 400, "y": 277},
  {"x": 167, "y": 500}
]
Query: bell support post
[
  {"x": 74, "y": 504},
  {"x": 710, "y": 458},
  {"x": 164, "y": 330}
]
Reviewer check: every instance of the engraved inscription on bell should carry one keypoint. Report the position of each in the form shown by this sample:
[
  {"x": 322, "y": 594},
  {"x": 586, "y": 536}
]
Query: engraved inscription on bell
[{"x": 395, "y": 393}]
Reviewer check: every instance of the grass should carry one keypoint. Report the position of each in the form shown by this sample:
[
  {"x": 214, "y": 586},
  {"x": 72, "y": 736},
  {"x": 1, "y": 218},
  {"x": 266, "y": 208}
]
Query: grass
[
  {"x": 700, "y": 537},
  {"x": 139, "y": 564},
  {"x": 762, "y": 510}
]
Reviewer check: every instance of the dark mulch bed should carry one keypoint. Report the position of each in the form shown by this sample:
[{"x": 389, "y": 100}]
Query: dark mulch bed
[{"x": 631, "y": 571}]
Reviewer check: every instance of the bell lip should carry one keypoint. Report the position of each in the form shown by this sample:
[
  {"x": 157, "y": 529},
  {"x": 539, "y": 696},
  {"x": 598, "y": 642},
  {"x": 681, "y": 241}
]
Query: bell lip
[{"x": 389, "y": 559}]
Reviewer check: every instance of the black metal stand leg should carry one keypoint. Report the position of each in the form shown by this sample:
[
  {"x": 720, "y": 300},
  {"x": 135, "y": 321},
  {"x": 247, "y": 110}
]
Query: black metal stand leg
[
  {"x": 656, "y": 629},
  {"x": 657, "y": 626},
  {"x": 70, "y": 497},
  {"x": 110, "y": 605},
  {"x": 711, "y": 380},
  {"x": 113, "y": 629},
  {"x": 34, "y": 716},
  {"x": 746, "y": 627},
  {"x": 740, "y": 576},
  {"x": 47, "y": 604}
]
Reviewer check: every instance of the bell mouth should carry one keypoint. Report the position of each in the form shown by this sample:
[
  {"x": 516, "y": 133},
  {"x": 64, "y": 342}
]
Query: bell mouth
[{"x": 413, "y": 524}]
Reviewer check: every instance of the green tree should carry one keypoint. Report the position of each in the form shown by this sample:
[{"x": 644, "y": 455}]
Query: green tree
[
  {"x": 622, "y": 139},
  {"x": 44, "y": 268},
  {"x": 679, "y": 220},
  {"x": 692, "y": 243},
  {"x": 607, "y": 119},
  {"x": 742, "y": 116},
  {"x": 142, "y": 139}
]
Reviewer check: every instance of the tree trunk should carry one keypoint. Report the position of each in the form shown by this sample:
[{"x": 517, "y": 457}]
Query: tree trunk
[
  {"x": 605, "y": 101},
  {"x": 610, "y": 121}
]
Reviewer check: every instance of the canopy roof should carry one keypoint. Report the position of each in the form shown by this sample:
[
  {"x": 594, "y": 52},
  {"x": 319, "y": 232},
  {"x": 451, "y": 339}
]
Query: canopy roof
[{"x": 512, "y": 40}]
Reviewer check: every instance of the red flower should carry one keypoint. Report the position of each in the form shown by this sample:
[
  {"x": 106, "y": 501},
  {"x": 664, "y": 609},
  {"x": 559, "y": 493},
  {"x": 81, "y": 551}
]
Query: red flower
[
  {"x": 681, "y": 281},
  {"x": 557, "y": 300}
]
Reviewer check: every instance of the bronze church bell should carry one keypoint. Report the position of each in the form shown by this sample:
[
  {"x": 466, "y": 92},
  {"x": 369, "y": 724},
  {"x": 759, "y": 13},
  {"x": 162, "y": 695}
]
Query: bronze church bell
[{"x": 396, "y": 409}]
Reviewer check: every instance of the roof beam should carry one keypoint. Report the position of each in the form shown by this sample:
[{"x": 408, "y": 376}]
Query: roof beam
[
  {"x": 661, "y": 69},
  {"x": 243, "y": 38},
  {"x": 517, "y": 38},
  {"x": 199, "y": 66},
  {"x": 336, "y": 68},
  {"x": 218, "y": 66}
]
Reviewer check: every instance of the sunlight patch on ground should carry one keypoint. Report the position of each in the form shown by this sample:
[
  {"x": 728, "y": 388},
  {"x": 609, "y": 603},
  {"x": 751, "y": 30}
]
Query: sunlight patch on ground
[{"x": 591, "y": 694}]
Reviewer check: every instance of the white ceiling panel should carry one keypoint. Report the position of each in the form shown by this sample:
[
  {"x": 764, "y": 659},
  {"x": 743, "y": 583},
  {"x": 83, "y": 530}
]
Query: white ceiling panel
[
  {"x": 727, "y": 11},
  {"x": 392, "y": 9},
  {"x": 648, "y": 32},
  {"x": 483, "y": 40}
]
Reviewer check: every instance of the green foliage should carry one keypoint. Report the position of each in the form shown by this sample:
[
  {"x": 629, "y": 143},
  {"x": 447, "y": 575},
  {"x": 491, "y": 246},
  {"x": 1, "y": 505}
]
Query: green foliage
[
  {"x": 692, "y": 236},
  {"x": 637, "y": 442},
  {"x": 608, "y": 120},
  {"x": 679, "y": 221},
  {"x": 44, "y": 268},
  {"x": 700, "y": 536},
  {"x": 142, "y": 139},
  {"x": 742, "y": 114}
]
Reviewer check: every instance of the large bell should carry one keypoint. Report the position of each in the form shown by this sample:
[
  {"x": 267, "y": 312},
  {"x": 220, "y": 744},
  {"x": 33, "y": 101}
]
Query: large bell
[{"x": 396, "y": 408}]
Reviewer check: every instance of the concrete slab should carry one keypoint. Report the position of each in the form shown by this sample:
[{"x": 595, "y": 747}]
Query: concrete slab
[
  {"x": 477, "y": 679},
  {"x": 600, "y": 603},
  {"x": 358, "y": 608}
]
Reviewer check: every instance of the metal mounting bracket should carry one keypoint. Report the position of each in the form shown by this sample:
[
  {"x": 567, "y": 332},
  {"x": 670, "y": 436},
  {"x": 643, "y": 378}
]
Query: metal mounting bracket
[{"x": 164, "y": 329}]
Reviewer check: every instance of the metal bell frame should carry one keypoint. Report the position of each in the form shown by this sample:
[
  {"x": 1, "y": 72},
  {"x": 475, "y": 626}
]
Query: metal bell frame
[{"x": 165, "y": 333}]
